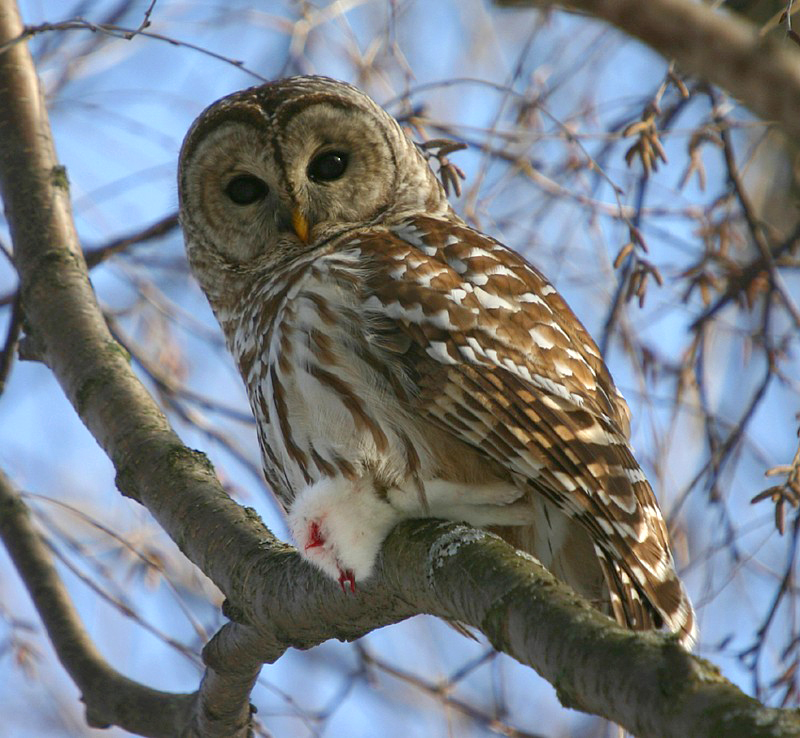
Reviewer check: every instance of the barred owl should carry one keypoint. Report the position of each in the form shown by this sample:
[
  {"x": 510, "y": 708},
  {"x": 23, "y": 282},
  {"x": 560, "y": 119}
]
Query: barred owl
[{"x": 402, "y": 364}]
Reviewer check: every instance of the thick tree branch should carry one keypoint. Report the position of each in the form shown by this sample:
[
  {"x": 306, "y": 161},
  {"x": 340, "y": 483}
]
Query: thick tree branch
[
  {"x": 275, "y": 599},
  {"x": 712, "y": 45},
  {"x": 645, "y": 682}
]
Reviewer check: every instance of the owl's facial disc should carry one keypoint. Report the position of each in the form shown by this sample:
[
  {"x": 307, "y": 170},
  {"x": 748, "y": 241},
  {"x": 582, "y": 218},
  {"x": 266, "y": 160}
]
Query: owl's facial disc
[{"x": 268, "y": 173}]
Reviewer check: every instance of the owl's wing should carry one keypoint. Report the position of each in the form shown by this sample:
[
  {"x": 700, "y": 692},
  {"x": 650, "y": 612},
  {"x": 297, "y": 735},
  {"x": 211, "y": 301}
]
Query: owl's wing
[{"x": 502, "y": 363}]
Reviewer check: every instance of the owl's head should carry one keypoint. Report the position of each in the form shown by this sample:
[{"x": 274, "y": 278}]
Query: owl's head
[{"x": 269, "y": 172}]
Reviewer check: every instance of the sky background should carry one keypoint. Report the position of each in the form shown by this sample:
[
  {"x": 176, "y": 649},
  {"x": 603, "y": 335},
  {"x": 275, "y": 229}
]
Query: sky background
[{"x": 119, "y": 109}]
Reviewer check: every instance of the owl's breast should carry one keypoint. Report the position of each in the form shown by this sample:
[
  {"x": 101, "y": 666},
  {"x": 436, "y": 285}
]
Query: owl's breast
[{"x": 327, "y": 396}]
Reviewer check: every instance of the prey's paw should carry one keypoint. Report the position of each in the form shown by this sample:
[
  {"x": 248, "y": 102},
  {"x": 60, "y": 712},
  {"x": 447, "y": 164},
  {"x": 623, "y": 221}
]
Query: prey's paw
[
  {"x": 350, "y": 578},
  {"x": 315, "y": 539},
  {"x": 339, "y": 526}
]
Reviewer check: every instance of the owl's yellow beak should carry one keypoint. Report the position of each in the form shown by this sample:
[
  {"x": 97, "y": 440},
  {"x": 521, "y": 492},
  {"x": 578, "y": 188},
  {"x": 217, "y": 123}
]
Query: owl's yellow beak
[{"x": 300, "y": 225}]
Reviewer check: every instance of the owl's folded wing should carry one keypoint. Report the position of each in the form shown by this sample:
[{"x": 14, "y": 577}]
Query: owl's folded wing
[{"x": 502, "y": 363}]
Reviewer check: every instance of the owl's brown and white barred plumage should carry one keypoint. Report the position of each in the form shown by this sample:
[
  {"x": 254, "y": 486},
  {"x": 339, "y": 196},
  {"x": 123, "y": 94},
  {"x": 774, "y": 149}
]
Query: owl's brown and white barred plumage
[{"x": 400, "y": 363}]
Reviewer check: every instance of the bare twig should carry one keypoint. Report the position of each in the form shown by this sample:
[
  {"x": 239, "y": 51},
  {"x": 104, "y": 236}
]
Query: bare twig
[
  {"x": 159, "y": 229},
  {"x": 742, "y": 282},
  {"x": 10, "y": 344},
  {"x": 114, "y": 31},
  {"x": 442, "y": 691},
  {"x": 440, "y": 150},
  {"x": 787, "y": 492},
  {"x": 756, "y": 233},
  {"x": 146, "y": 20}
]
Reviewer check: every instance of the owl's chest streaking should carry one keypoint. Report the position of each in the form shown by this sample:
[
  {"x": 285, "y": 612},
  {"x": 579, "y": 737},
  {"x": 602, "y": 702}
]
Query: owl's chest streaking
[{"x": 328, "y": 397}]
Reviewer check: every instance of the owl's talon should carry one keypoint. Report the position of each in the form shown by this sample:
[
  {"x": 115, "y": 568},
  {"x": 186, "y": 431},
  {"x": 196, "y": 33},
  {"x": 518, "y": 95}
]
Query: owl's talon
[
  {"x": 315, "y": 537},
  {"x": 347, "y": 576}
]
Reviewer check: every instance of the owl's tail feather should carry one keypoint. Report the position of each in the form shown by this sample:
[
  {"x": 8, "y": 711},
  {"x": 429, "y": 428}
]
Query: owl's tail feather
[{"x": 650, "y": 604}]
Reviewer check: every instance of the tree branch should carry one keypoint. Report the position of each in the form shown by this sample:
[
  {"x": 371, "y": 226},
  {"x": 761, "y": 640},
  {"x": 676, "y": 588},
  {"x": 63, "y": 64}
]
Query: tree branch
[
  {"x": 275, "y": 599},
  {"x": 107, "y": 694},
  {"x": 159, "y": 229},
  {"x": 712, "y": 45}
]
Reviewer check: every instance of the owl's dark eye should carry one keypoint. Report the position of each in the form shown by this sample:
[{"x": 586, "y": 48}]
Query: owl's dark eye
[
  {"x": 246, "y": 189},
  {"x": 328, "y": 166}
]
